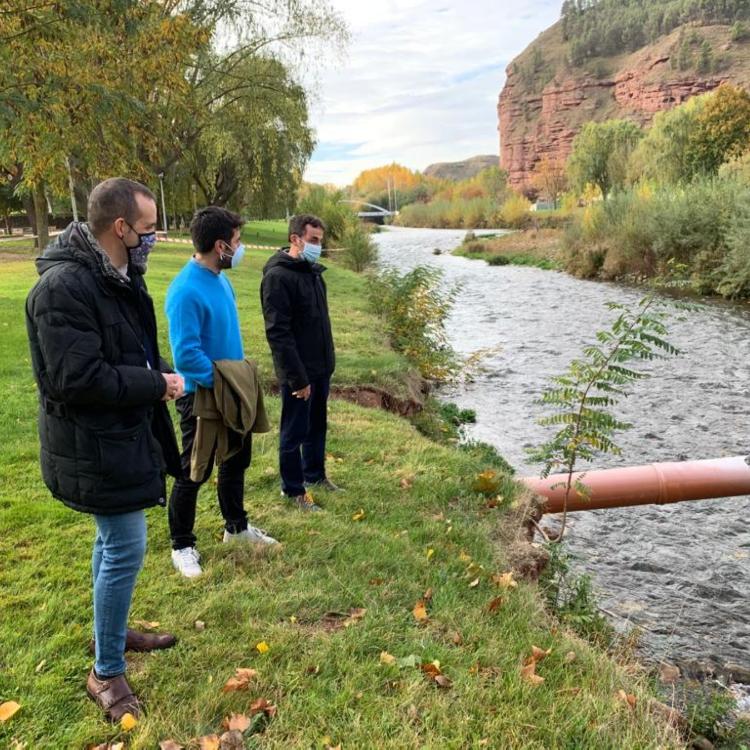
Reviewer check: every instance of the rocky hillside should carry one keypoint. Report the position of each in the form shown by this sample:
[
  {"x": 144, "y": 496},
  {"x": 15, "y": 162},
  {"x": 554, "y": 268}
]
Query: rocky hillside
[
  {"x": 547, "y": 98},
  {"x": 461, "y": 170}
]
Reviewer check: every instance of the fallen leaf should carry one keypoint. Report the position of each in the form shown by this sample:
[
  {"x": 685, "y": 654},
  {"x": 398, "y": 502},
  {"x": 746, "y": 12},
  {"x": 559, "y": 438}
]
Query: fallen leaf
[
  {"x": 8, "y": 709},
  {"x": 505, "y": 580},
  {"x": 355, "y": 615},
  {"x": 292, "y": 619},
  {"x": 495, "y": 604},
  {"x": 456, "y": 638},
  {"x": 376, "y": 581},
  {"x": 386, "y": 658},
  {"x": 420, "y": 611},
  {"x": 463, "y": 557},
  {"x": 627, "y": 698},
  {"x": 487, "y": 482},
  {"x": 170, "y": 745},
  {"x": 406, "y": 483},
  {"x": 146, "y": 625},
  {"x": 433, "y": 672},
  {"x": 39, "y": 667},
  {"x": 529, "y": 674},
  {"x": 430, "y": 552},
  {"x": 474, "y": 583},
  {"x": 427, "y": 596},
  {"x": 537, "y": 654},
  {"x": 237, "y": 721},
  {"x": 359, "y": 515},
  {"x": 200, "y": 625},
  {"x": 442, "y": 681},
  {"x": 668, "y": 673},
  {"x": 261, "y": 705},
  {"x": 232, "y": 740},
  {"x": 262, "y": 647},
  {"x": 209, "y": 742},
  {"x": 438, "y": 516},
  {"x": 570, "y": 657},
  {"x": 313, "y": 669},
  {"x": 128, "y": 722},
  {"x": 240, "y": 681}
]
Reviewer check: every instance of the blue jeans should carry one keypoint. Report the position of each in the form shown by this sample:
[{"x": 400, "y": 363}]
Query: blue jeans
[
  {"x": 119, "y": 549},
  {"x": 302, "y": 438}
]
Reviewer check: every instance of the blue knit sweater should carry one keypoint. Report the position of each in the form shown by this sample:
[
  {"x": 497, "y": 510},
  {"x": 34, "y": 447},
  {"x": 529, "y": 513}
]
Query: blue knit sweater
[{"x": 203, "y": 323}]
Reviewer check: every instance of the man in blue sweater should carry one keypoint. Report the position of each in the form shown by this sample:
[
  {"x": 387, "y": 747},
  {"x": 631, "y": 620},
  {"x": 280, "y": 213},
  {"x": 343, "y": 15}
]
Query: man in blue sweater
[{"x": 204, "y": 327}]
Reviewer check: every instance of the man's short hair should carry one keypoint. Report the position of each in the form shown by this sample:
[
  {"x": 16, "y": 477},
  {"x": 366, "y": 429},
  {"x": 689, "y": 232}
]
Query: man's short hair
[
  {"x": 298, "y": 223},
  {"x": 213, "y": 223},
  {"x": 114, "y": 199}
]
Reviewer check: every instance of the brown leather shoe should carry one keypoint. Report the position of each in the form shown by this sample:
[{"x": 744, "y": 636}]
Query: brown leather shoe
[
  {"x": 114, "y": 696},
  {"x": 137, "y": 641}
]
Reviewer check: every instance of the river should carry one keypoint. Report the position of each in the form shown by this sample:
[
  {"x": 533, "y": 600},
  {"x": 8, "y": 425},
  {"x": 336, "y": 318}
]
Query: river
[{"x": 681, "y": 572}]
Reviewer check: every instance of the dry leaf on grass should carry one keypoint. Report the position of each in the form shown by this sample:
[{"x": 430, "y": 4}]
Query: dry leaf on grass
[
  {"x": 434, "y": 674},
  {"x": 505, "y": 580},
  {"x": 386, "y": 658},
  {"x": 8, "y": 709},
  {"x": 406, "y": 483},
  {"x": 538, "y": 654},
  {"x": 430, "y": 552},
  {"x": 355, "y": 615},
  {"x": 359, "y": 515},
  {"x": 528, "y": 673},
  {"x": 420, "y": 611},
  {"x": 147, "y": 625},
  {"x": 232, "y": 740},
  {"x": 487, "y": 482},
  {"x": 262, "y": 647},
  {"x": 240, "y": 681},
  {"x": 376, "y": 581},
  {"x": 668, "y": 673},
  {"x": 261, "y": 705},
  {"x": 474, "y": 583},
  {"x": 456, "y": 638},
  {"x": 628, "y": 698},
  {"x": 427, "y": 596},
  {"x": 495, "y": 604},
  {"x": 209, "y": 742},
  {"x": 237, "y": 721},
  {"x": 200, "y": 625},
  {"x": 170, "y": 745},
  {"x": 39, "y": 667}
]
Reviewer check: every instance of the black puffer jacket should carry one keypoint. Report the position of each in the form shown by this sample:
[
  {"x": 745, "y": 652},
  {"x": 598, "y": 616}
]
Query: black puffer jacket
[
  {"x": 106, "y": 437},
  {"x": 298, "y": 328}
]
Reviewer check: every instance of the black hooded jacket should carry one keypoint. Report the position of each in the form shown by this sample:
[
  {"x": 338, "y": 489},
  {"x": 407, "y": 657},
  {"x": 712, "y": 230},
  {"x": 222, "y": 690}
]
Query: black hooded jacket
[
  {"x": 106, "y": 438},
  {"x": 298, "y": 328}
]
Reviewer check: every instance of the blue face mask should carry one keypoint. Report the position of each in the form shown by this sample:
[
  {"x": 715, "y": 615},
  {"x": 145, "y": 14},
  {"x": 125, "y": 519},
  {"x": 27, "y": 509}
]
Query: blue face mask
[
  {"x": 232, "y": 261},
  {"x": 311, "y": 253}
]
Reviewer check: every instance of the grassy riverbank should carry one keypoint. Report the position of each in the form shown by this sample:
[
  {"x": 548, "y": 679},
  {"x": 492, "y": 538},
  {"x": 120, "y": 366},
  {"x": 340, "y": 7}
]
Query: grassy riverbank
[
  {"x": 409, "y": 527},
  {"x": 528, "y": 247}
]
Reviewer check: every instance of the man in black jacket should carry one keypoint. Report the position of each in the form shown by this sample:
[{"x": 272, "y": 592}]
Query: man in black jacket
[
  {"x": 105, "y": 433},
  {"x": 298, "y": 329}
]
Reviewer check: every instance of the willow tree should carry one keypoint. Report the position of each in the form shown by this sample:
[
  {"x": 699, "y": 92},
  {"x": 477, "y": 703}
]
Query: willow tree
[{"x": 88, "y": 80}]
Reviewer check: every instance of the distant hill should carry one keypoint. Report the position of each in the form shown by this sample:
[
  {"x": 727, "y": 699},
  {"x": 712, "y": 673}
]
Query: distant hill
[
  {"x": 615, "y": 60},
  {"x": 461, "y": 170}
]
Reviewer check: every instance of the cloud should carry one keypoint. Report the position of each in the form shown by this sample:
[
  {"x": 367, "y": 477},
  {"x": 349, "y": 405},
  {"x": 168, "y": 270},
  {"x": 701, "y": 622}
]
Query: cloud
[{"x": 420, "y": 84}]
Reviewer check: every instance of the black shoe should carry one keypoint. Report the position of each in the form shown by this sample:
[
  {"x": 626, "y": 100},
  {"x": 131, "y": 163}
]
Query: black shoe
[{"x": 323, "y": 484}]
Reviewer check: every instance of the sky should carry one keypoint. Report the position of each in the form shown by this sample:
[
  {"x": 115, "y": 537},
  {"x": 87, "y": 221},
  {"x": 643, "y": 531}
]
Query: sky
[{"x": 419, "y": 82}]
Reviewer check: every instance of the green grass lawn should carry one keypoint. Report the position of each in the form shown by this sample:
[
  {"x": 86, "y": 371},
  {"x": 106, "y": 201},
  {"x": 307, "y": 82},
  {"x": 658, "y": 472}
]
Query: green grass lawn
[{"x": 421, "y": 527}]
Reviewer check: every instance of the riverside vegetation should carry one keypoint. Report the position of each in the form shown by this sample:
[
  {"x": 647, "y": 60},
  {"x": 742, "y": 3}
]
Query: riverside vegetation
[{"x": 392, "y": 619}]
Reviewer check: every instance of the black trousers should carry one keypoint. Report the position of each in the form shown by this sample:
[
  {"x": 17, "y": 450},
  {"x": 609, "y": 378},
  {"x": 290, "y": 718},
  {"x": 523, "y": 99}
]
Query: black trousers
[
  {"x": 184, "y": 497},
  {"x": 302, "y": 438}
]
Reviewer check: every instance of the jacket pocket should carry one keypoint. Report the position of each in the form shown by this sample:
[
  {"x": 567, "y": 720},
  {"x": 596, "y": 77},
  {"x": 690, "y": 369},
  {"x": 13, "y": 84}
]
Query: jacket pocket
[{"x": 128, "y": 457}]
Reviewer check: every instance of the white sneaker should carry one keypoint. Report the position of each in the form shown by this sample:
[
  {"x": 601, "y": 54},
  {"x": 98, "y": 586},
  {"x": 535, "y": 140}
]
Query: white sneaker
[
  {"x": 186, "y": 560},
  {"x": 251, "y": 534}
]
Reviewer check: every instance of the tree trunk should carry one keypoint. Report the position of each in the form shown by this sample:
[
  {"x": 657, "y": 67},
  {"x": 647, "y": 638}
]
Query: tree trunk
[{"x": 42, "y": 220}]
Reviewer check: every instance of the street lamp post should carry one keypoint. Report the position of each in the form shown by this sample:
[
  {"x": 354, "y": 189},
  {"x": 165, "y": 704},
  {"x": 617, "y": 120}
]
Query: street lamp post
[{"x": 163, "y": 206}]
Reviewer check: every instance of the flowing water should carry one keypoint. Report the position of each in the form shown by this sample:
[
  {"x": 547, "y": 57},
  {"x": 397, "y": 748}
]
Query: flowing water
[{"x": 680, "y": 572}]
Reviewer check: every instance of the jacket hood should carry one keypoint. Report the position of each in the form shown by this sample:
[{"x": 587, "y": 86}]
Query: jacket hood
[
  {"x": 282, "y": 258},
  {"x": 76, "y": 244}
]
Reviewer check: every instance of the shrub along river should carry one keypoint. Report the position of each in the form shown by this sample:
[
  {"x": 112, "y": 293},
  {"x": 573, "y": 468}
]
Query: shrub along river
[{"x": 679, "y": 572}]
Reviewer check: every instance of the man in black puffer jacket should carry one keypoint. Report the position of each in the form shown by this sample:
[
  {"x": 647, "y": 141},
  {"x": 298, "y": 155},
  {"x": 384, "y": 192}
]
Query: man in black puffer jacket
[
  {"x": 105, "y": 434},
  {"x": 298, "y": 329}
]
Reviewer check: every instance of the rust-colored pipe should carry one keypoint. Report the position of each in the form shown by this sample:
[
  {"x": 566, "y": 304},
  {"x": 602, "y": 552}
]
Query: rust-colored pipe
[{"x": 660, "y": 483}]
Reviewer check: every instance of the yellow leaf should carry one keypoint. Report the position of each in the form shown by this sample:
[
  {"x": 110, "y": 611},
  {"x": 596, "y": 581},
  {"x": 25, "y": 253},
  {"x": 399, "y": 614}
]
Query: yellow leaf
[
  {"x": 359, "y": 515},
  {"x": 8, "y": 709},
  {"x": 355, "y": 615},
  {"x": 262, "y": 647},
  {"x": 463, "y": 557},
  {"x": 292, "y": 619},
  {"x": 420, "y": 611},
  {"x": 200, "y": 625},
  {"x": 209, "y": 742},
  {"x": 474, "y": 583},
  {"x": 430, "y": 553},
  {"x": 147, "y": 625},
  {"x": 128, "y": 722},
  {"x": 505, "y": 580},
  {"x": 386, "y": 658}
]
